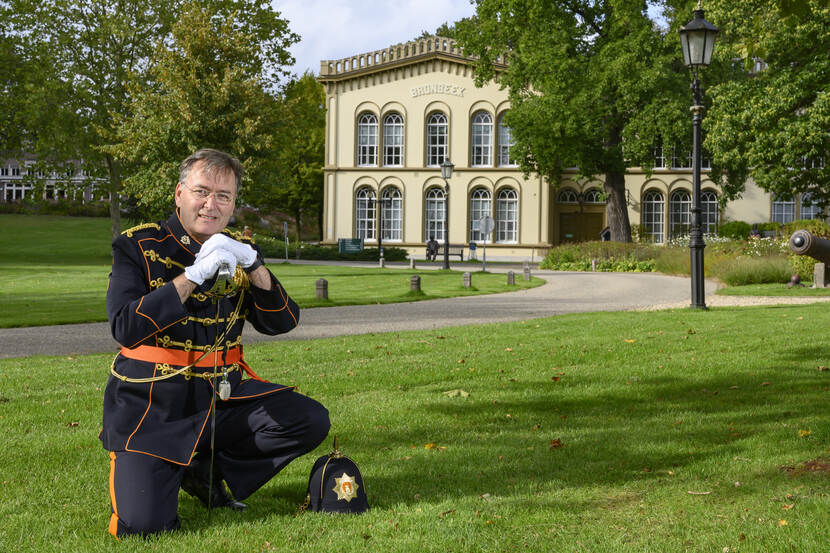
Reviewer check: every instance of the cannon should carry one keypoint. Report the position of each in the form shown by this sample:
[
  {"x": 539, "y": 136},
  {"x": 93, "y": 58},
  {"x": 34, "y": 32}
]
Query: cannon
[{"x": 802, "y": 242}]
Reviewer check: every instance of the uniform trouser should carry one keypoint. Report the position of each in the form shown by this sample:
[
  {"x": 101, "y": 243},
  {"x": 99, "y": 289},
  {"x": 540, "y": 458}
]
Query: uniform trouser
[{"x": 254, "y": 441}]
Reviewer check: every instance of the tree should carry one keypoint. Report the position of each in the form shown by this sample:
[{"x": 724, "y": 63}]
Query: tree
[
  {"x": 773, "y": 124},
  {"x": 83, "y": 55},
  {"x": 207, "y": 89},
  {"x": 592, "y": 85},
  {"x": 87, "y": 58},
  {"x": 297, "y": 185}
]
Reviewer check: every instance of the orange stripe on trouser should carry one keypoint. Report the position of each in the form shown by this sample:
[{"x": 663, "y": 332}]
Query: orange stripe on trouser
[
  {"x": 113, "y": 527},
  {"x": 181, "y": 358}
]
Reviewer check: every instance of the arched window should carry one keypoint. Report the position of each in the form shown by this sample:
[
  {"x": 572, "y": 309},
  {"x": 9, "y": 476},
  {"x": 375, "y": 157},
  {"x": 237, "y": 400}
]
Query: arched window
[
  {"x": 567, "y": 196},
  {"x": 505, "y": 144},
  {"x": 709, "y": 212},
  {"x": 392, "y": 214},
  {"x": 680, "y": 213},
  {"x": 437, "y": 139},
  {"x": 593, "y": 196},
  {"x": 482, "y": 153},
  {"x": 393, "y": 140},
  {"x": 808, "y": 209},
  {"x": 479, "y": 207},
  {"x": 367, "y": 140},
  {"x": 365, "y": 216},
  {"x": 435, "y": 214},
  {"x": 507, "y": 216},
  {"x": 783, "y": 210},
  {"x": 652, "y": 216}
]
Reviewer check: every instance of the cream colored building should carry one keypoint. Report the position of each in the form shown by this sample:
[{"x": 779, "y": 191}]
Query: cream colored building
[{"x": 394, "y": 115}]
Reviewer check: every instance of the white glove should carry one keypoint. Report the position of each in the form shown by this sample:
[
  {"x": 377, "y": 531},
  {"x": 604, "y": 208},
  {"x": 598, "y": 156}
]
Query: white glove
[
  {"x": 205, "y": 268},
  {"x": 245, "y": 255}
]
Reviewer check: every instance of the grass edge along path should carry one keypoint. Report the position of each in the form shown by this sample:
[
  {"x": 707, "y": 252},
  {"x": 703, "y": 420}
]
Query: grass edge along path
[{"x": 605, "y": 432}]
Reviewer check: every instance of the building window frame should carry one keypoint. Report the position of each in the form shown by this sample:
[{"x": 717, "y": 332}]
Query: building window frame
[
  {"x": 481, "y": 204},
  {"x": 709, "y": 212},
  {"x": 680, "y": 213},
  {"x": 481, "y": 143},
  {"x": 392, "y": 206},
  {"x": 393, "y": 133},
  {"x": 367, "y": 140},
  {"x": 507, "y": 216},
  {"x": 505, "y": 144},
  {"x": 437, "y": 137},
  {"x": 567, "y": 196},
  {"x": 652, "y": 217},
  {"x": 365, "y": 214},
  {"x": 435, "y": 205},
  {"x": 783, "y": 210}
]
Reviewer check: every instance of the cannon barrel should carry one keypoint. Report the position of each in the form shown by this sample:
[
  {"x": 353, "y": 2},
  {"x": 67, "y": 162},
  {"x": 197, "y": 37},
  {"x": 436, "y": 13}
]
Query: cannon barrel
[{"x": 802, "y": 242}]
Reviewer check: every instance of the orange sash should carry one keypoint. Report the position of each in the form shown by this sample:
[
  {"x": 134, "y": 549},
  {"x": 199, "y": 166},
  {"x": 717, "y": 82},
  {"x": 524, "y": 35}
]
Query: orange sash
[{"x": 181, "y": 358}]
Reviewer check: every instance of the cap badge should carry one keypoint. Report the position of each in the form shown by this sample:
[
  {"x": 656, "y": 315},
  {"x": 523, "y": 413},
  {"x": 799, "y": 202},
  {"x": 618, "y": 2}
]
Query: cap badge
[{"x": 345, "y": 487}]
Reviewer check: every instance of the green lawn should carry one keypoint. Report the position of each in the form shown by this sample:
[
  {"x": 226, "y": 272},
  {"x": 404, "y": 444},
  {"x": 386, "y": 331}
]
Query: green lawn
[
  {"x": 773, "y": 290},
  {"x": 54, "y": 271},
  {"x": 673, "y": 431}
]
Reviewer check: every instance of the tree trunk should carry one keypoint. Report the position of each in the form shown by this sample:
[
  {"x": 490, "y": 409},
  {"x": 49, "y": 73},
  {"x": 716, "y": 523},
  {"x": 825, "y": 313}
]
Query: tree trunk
[
  {"x": 616, "y": 210},
  {"x": 298, "y": 221},
  {"x": 115, "y": 198}
]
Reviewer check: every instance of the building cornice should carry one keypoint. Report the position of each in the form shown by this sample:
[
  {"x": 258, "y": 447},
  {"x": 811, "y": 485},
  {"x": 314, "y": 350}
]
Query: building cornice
[{"x": 397, "y": 56}]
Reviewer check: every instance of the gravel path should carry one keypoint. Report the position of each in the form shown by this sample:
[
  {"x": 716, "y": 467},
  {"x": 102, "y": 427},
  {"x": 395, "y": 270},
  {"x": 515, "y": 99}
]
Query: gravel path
[{"x": 563, "y": 292}]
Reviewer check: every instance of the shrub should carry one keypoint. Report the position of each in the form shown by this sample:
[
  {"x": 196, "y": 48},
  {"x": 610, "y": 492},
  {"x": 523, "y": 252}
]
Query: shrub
[
  {"x": 737, "y": 230},
  {"x": 753, "y": 270},
  {"x": 610, "y": 256}
]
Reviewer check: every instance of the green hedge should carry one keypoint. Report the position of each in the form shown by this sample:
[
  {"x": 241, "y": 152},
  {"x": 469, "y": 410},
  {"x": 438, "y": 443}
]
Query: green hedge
[{"x": 56, "y": 207}]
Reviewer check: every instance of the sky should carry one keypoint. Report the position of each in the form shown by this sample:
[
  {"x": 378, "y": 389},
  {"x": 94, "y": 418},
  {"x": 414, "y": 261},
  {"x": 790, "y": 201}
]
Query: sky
[{"x": 335, "y": 29}]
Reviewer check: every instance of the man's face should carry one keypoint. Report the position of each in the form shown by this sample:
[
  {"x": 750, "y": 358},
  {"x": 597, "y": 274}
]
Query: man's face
[{"x": 201, "y": 216}]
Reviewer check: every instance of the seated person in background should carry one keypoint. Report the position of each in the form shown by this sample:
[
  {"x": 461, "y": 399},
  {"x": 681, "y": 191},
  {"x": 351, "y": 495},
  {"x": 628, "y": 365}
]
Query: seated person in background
[{"x": 432, "y": 249}]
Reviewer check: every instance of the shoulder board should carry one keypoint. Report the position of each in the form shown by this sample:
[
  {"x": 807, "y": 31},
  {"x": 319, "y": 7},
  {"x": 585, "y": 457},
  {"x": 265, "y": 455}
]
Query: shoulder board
[
  {"x": 236, "y": 235},
  {"x": 129, "y": 232}
]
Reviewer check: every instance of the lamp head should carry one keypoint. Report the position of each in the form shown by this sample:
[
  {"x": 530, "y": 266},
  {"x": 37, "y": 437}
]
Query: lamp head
[
  {"x": 697, "y": 39},
  {"x": 446, "y": 169}
]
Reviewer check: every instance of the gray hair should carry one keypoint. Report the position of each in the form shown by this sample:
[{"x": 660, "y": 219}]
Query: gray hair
[{"x": 216, "y": 162}]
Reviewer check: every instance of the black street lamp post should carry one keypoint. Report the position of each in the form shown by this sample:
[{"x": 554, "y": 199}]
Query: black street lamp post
[
  {"x": 697, "y": 40},
  {"x": 446, "y": 174}
]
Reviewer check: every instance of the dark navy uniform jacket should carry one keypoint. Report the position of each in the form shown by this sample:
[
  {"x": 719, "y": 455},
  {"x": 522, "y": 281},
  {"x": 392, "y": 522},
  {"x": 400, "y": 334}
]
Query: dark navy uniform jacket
[{"x": 166, "y": 418}]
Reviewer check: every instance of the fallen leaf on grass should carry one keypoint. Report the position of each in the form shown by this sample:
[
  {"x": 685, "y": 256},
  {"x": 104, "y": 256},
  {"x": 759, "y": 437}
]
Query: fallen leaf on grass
[
  {"x": 698, "y": 493},
  {"x": 787, "y": 507},
  {"x": 822, "y": 368},
  {"x": 627, "y": 341},
  {"x": 764, "y": 383},
  {"x": 456, "y": 393},
  {"x": 556, "y": 378},
  {"x": 508, "y": 349},
  {"x": 445, "y": 513},
  {"x": 72, "y": 424},
  {"x": 556, "y": 444},
  {"x": 804, "y": 433},
  {"x": 782, "y": 522},
  {"x": 433, "y": 445}
]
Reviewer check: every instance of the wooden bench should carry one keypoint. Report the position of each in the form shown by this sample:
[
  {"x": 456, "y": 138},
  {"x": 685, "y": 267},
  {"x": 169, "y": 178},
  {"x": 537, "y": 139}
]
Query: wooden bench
[{"x": 453, "y": 250}]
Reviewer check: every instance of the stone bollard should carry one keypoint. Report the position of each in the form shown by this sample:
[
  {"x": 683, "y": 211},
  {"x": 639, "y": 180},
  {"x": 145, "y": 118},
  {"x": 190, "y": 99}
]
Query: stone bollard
[
  {"x": 527, "y": 272},
  {"x": 468, "y": 280},
  {"x": 594, "y": 265},
  {"x": 820, "y": 275},
  {"x": 511, "y": 278},
  {"x": 411, "y": 262},
  {"x": 382, "y": 262},
  {"x": 414, "y": 283},
  {"x": 322, "y": 289}
]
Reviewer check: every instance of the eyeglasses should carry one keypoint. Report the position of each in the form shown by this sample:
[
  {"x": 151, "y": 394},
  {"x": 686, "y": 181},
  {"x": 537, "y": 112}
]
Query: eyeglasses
[{"x": 221, "y": 198}]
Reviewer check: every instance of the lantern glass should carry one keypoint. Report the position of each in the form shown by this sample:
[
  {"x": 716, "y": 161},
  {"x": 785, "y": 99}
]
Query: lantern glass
[
  {"x": 697, "y": 39},
  {"x": 446, "y": 169}
]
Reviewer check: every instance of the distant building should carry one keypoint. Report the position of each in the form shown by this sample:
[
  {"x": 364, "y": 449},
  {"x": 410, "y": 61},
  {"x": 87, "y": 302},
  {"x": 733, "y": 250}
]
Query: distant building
[{"x": 21, "y": 176}]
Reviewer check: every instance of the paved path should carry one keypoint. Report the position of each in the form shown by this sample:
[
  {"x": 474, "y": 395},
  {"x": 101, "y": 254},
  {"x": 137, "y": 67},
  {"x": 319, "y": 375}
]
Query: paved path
[{"x": 562, "y": 293}]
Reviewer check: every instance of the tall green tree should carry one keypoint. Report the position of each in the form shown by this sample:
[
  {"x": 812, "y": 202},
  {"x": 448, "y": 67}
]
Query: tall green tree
[
  {"x": 209, "y": 88},
  {"x": 83, "y": 55},
  {"x": 771, "y": 121},
  {"x": 592, "y": 84},
  {"x": 297, "y": 183}
]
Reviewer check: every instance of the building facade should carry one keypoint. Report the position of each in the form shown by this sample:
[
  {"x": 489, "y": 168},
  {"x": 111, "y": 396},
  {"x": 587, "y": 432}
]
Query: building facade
[
  {"x": 394, "y": 115},
  {"x": 21, "y": 177}
]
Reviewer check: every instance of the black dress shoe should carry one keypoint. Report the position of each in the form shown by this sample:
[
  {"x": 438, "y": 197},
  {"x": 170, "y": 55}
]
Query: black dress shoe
[{"x": 196, "y": 484}]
